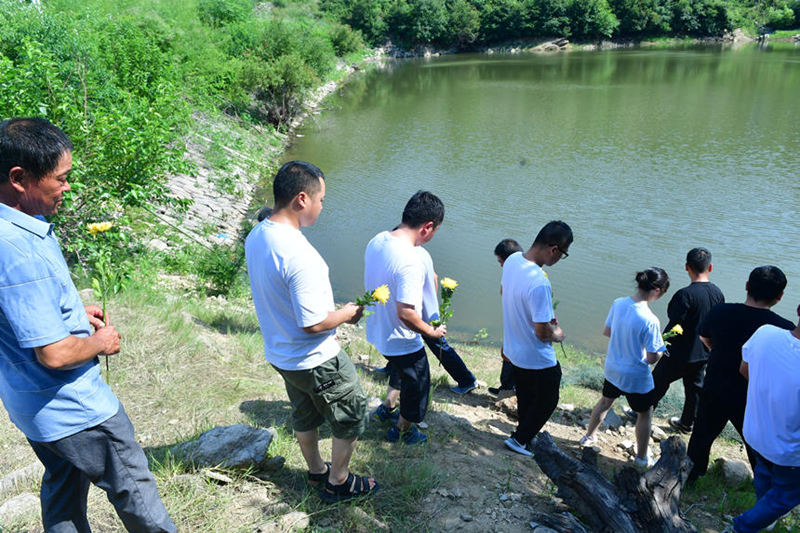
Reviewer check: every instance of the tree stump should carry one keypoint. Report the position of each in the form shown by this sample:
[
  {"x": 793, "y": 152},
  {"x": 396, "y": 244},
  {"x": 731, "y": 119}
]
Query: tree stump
[{"x": 634, "y": 503}]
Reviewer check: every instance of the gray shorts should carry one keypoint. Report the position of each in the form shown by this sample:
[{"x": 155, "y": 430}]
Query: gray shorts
[{"x": 330, "y": 391}]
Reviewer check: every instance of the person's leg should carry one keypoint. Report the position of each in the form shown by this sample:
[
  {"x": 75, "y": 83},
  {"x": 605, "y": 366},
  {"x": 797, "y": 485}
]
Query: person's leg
[
  {"x": 507, "y": 376},
  {"x": 666, "y": 371},
  {"x": 64, "y": 491},
  {"x": 414, "y": 389},
  {"x": 599, "y": 412},
  {"x": 393, "y": 388},
  {"x": 451, "y": 361},
  {"x": 309, "y": 447},
  {"x": 778, "y": 491},
  {"x": 711, "y": 419},
  {"x": 525, "y": 399},
  {"x": 644, "y": 421},
  {"x": 110, "y": 457},
  {"x": 692, "y": 385},
  {"x": 736, "y": 416},
  {"x": 341, "y": 452},
  {"x": 544, "y": 399}
]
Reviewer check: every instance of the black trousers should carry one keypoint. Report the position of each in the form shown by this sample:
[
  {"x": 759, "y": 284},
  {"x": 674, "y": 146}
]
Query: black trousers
[
  {"x": 537, "y": 398},
  {"x": 712, "y": 415},
  {"x": 669, "y": 370},
  {"x": 411, "y": 374}
]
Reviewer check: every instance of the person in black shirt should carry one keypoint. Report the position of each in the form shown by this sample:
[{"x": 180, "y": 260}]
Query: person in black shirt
[
  {"x": 687, "y": 355},
  {"x": 725, "y": 329}
]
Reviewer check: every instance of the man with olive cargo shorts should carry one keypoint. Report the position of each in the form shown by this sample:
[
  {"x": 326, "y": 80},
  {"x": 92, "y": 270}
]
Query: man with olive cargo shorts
[{"x": 294, "y": 303}]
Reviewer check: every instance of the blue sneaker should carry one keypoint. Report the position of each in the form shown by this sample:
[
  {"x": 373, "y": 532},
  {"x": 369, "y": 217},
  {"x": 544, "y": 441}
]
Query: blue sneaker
[
  {"x": 393, "y": 435},
  {"x": 465, "y": 389},
  {"x": 382, "y": 414},
  {"x": 411, "y": 436},
  {"x": 414, "y": 436}
]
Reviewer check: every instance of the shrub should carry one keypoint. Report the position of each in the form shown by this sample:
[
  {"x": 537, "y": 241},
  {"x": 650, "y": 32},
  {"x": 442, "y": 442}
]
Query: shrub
[
  {"x": 591, "y": 18},
  {"x": 345, "y": 40},
  {"x": 220, "y": 266},
  {"x": 220, "y": 12},
  {"x": 415, "y": 22},
  {"x": 465, "y": 23}
]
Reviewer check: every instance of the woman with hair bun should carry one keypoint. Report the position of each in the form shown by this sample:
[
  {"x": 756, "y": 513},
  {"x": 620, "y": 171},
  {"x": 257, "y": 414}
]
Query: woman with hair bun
[{"x": 635, "y": 342}]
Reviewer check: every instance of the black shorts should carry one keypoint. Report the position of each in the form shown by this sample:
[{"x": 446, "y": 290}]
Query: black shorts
[
  {"x": 411, "y": 374},
  {"x": 638, "y": 402}
]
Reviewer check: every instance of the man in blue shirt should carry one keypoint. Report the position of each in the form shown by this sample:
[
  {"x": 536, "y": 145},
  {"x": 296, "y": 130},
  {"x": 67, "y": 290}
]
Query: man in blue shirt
[{"x": 50, "y": 380}]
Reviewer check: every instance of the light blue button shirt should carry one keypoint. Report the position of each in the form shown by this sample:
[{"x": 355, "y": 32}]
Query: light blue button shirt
[{"x": 39, "y": 305}]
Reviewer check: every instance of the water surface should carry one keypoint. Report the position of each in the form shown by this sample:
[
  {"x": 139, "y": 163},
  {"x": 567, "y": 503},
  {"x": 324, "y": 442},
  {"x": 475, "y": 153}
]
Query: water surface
[{"x": 645, "y": 153}]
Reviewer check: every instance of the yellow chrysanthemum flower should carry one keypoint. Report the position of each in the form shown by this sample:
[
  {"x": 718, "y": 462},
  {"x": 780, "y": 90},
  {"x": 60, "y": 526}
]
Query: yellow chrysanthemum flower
[
  {"x": 678, "y": 329},
  {"x": 99, "y": 227},
  {"x": 449, "y": 283},
  {"x": 381, "y": 294}
]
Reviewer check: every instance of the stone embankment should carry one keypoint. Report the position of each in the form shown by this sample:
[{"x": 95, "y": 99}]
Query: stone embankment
[{"x": 222, "y": 198}]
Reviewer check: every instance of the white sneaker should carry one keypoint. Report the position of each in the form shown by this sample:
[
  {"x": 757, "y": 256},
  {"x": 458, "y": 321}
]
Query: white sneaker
[
  {"x": 512, "y": 444},
  {"x": 588, "y": 441},
  {"x": 644, "y": 462}
]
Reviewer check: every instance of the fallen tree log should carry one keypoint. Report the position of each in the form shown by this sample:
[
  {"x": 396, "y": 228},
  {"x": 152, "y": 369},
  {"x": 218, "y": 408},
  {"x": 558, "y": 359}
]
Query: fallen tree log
[{"x": 634, "y": 503}]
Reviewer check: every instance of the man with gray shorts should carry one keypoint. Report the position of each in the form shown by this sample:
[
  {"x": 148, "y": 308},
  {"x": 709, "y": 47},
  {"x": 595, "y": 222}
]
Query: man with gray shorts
[{"x": 294, "y": 303}]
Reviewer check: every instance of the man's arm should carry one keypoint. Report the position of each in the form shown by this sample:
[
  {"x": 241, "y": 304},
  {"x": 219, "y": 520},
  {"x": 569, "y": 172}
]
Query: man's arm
[
  {"x": 607, "y": 331},
  {"x": 73, "y": 351},
  {"x": 744, "y": 369},
  {"x": 350, "y": 313},
  {"x": 653, "y": 357},
  {"x": 549, "y": 331},
  {"x": 676, "y": 310},
  {"x": 413, "y": 321},
  {"x": 706, "y": 341}
]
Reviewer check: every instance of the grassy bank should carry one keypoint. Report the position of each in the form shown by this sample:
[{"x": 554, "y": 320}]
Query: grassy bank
[{"x": 189, "y": 363}]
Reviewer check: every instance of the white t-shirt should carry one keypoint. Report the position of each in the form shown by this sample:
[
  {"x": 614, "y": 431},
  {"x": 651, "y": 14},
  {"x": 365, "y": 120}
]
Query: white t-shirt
[
  {"x": 527, "y": 298},
  {"x": 772, "y": 415},
  {"x": 291, "y": 290},
  {"x": 635, "y": 330},
  {"x": 394, "y": 262},
  {"x": 430, "y": 299}
]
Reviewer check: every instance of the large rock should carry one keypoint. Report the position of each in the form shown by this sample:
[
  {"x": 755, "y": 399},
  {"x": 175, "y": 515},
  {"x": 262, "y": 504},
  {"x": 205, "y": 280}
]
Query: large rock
[
  {"x": 613, "y": 420},
  {"x": 9, "y": 483},
  {"x": 508, "y": 406},
  {"x": 18, "y": 507},
  {"x": 238, "y": 446},
  {"x": 734, "y": 472}
]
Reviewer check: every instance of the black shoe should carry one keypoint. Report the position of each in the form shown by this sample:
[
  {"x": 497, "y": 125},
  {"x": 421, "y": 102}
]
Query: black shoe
[
  {"x": 495, "y": 391},
  {"x": 676, "y": 424}
]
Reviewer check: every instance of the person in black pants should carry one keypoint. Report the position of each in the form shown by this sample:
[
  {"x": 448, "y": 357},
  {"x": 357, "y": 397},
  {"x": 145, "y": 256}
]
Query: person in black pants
[
  {"x": 725, "y": 329},
  {"x": 503, "y": 249},
  {"x": 687, "y": 355},
  {"x": 529, "y": 330}
]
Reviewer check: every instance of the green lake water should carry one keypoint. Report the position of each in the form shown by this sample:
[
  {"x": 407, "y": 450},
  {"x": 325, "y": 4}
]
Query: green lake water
[{"x": 645, "y": 153}]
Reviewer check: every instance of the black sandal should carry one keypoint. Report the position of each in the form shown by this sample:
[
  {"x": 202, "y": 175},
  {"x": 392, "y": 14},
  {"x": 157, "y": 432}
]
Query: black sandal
[
  {"x": 353, "y": 487},
  {"x": 315, "y": 479}
]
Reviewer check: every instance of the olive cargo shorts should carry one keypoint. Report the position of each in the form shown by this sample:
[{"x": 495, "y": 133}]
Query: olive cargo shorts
[{"x": 330, "y": 391}]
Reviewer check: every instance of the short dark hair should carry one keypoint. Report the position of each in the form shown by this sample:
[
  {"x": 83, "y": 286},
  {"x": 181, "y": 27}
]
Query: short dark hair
[
  {"x": 698, "y": 259},
  {"x": 554, "y": 233},
  {"x": 264, "y": 212},
  {"x": 652, "y": 278},
  {"x": 506, "y": 247},
  {"x": 766, "y": 283},
  {"x": 421, "y": 208},
  {"x": 34, "y": 144},
  {"x": 293, "y": 178}
]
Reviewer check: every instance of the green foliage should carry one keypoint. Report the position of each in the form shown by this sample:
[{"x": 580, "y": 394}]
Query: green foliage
[
  {"x": 112, "y": 98},
  {"x": 220, "y": 266},
  {"x": 220, "y": 12},
  {"x": 464, "y": 23}
]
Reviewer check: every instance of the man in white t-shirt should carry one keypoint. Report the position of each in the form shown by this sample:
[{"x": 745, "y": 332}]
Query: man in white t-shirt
[
  {"x": 446, "y": 354},
  {"x": 294, "y": 303},
  {"x": 770, "y": 363},
  {"x": 395, "y": 328},
  {"x": 529, "y": 330}
]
